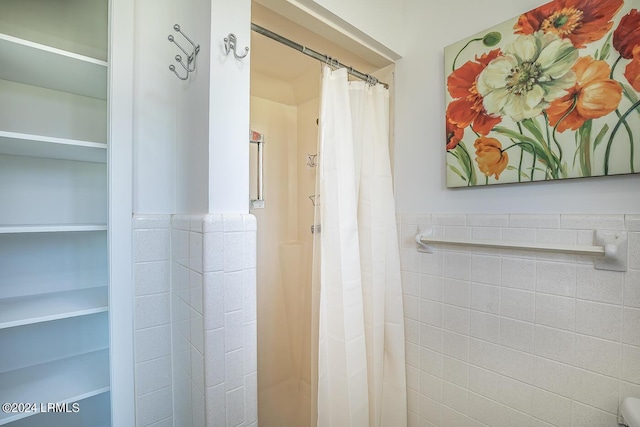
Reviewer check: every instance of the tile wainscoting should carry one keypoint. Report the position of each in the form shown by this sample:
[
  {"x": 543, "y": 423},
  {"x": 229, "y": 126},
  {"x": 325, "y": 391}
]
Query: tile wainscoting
[
  {"x": 506, "y": 338},
  {"x": 195, "y": 320}
]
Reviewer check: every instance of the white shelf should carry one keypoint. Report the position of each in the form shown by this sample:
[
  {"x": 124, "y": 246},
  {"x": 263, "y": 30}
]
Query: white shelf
[
  {"x": 53, "y": 228},
  {"x": 94, "y": 411},
  {"x": 44, "y": 66},
  {"x": 20, "y": 144},
  {"x": 62, "y": 381},
  {"x": 26, "y": 310}
]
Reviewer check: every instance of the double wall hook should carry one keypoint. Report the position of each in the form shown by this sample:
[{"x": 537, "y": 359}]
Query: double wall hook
[
  {"x": 191, "y": 62},
  {"x": 230, "y": 45}
]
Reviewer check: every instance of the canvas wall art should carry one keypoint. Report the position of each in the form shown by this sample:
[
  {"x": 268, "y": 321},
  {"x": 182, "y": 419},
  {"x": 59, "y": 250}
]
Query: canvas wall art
[{"x": 551, "y": 94}]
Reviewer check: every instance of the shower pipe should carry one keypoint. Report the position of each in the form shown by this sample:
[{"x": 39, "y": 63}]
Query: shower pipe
[{"x": 320, "y": 57}]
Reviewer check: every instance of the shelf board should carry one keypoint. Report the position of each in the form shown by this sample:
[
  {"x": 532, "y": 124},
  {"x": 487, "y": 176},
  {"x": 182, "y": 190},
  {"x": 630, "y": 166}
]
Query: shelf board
[
  {"x": 44, "y": 66},
  {"x": 62, "y": 381},
  {"x": 94, "y": 411},
  {"x": 21, "y": 144},
  {"x": 26, "y": 310},
  {"x": 52, "y": 228}
]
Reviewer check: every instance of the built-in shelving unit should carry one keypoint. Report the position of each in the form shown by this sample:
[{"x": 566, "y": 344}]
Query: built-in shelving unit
[
  {"x": 54, "y": 289},
  {"x": 43, "y": 66},
  {"x": 60, "y": 381},
  {"x": 19, "y": 144},
  {"x": 51, "y": 228},
  {"x": 30, "y": 309}
]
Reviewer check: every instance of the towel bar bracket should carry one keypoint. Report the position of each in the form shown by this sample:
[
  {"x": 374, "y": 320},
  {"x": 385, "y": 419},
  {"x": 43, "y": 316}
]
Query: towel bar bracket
[{"x": 616, "y": 248}]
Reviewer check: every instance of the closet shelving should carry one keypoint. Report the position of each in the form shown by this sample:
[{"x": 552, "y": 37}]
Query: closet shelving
[
  {"x": 26, "y": 310},
  {"x": 19, "y": 144},
  {"x": 53, "y": 210},
  {"x": 51, "y": 228},
  {"x": 62, "y": 381},
  {"x": 48, "y": 67}
]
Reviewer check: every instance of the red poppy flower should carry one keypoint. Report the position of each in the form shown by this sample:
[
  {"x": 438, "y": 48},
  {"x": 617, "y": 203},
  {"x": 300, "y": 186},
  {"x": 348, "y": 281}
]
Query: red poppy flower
[
  {"x": 594, "y": 95},
  {"x": 454, "y": 135},
  {"x": 581, "y": 21},
  {"x": 632, "y": 72},
  {"x": 467, "y": 108},
  {"x": 627, "y": 35}
]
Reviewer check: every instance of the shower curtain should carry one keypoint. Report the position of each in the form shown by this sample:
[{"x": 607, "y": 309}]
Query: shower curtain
[{"x": 361, "y": 363}]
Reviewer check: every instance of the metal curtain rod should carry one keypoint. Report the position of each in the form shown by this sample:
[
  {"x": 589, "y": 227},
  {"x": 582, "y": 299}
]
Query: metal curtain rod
[{"x": 320, "y": 57}]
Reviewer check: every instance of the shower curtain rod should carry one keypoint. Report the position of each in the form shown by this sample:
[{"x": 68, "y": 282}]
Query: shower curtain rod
[{"x": 320, "y": 57}]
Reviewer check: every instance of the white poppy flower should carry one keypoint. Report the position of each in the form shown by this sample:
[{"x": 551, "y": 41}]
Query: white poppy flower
[{"x": 534, "y": 71}]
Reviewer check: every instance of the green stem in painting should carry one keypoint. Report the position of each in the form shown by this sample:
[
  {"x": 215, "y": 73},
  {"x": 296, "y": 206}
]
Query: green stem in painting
[
  {"x": 624, "y": 121},
  {"x": 613, "y": 67},
  {"x": 607, "y": 153},
  {"x": 470, "y": 181},
  {"x": 520, "y": 164},
  {"x": 533, "y": 152},
  {"x": 453, "y": 66},
  {"x": 585, "y": 147},
  {"x": 490, "y": 39},
  {"x": 555, "y": 129},
  {"x": 626, "y": 126}
]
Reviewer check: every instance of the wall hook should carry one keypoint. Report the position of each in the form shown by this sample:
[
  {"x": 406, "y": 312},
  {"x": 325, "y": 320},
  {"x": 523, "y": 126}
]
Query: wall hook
[
  {"x": 230, "y": 45},
  {"x": 191, "y": 56}
]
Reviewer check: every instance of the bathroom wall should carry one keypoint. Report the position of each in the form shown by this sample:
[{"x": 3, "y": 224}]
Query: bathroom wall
[
  {"x": 195, "y": 320},
  {"x": 187, "y": 320},
  {"x": 152, "y": 320},
  {"x": 420, "y": 183},
  {"x": 505, "y": 338},
  {"x": 516, "y": 338}
]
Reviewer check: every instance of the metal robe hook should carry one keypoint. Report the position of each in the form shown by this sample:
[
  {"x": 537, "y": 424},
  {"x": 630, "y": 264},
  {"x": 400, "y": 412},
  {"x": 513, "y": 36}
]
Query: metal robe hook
[
  {"x": 230, "y": 45},
  {"x": 191, "y": 57}
]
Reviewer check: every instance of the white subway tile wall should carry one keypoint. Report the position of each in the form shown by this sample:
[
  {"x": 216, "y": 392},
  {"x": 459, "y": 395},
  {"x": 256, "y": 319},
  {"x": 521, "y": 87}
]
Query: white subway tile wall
[
  {"x": 505, "y": 338},
  {"x": 152, "y": 282},
  {"x": 195, "y": 320}
]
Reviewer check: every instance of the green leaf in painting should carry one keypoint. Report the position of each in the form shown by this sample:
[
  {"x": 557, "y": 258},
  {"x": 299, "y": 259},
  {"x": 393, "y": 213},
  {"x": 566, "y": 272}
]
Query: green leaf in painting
[
  {"x": 533, "y": 127},
  {"x": 629, "y": 93},
  {"x": 606, "y": 49},
  {"x": 466, "y": 170},
  {"x": 457, "y": 172},
  {"x": 584, "y": 149},
  {"x": 467, "y": 163},
  {"x": 531, "y": 145},
  {"x": 600, "y": 135}
]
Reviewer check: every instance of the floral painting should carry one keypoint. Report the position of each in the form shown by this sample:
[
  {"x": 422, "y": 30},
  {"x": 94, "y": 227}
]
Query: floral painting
[{"x": 551, "y": 94}]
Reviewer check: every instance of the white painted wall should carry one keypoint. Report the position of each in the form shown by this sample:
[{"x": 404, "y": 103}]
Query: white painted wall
[
  {"x": 420, "y": 155},
  {"x": 191, "y": 137},
  {"x": 192, "y": 113},
  {"x": 382, "y": 20},
  {"x": 154, "y": 109},
  {"x": 229, "y": 109}
]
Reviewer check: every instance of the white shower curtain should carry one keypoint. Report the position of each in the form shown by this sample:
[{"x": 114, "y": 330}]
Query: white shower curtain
[{"x": 361, "y": 363}]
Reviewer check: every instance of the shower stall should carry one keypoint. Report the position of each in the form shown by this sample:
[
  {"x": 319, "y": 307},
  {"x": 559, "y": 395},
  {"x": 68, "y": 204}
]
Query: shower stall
[{"x": 284, "y": 245}]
